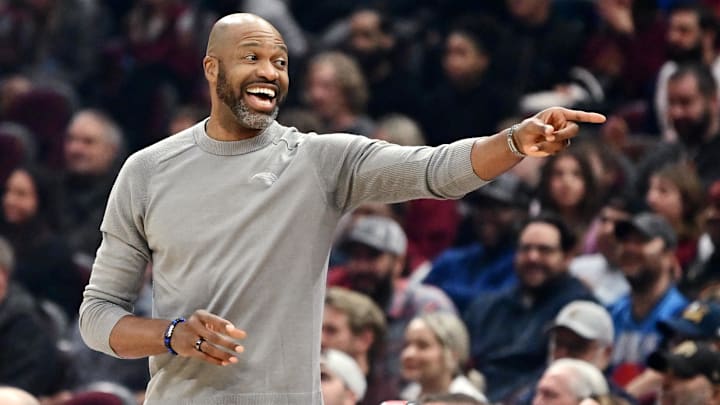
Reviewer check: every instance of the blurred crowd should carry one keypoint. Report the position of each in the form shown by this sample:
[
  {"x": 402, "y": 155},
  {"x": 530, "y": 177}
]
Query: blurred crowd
[{"x": 589, "y": 275}]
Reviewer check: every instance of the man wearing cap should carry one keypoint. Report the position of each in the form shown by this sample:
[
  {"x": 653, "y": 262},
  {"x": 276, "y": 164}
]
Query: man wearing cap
[
  {"x": 487, "y": 264},
  {"x": 507, "y": 329},
  {"x": 341, "y": 380},
  {"x": 699, "y": 321},
  {"x": 647, "y": 259},
  {"x": 691, "y": 374},
  {"x": 376, "y": 248}
]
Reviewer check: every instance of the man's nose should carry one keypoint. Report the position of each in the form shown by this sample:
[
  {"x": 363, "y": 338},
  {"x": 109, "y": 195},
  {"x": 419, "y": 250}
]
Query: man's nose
[{"x": 267, "y": 71}]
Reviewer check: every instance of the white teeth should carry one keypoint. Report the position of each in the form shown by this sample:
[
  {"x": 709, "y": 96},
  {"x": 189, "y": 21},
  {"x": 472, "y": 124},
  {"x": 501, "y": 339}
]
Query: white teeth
[{"x": 261, "y": 90}]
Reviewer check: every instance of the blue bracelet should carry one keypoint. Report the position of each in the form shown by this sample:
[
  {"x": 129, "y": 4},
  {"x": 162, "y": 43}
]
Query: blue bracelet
[{"x": 169, "y": 333}]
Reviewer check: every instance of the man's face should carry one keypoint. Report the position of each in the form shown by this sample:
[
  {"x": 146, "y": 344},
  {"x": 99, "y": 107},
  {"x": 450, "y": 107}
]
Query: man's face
[
  {"x": 686, "y": 391},
  {"x": 371, "y": 271},
  {"x": 334, "y": 391},
  {"x": 564, "y": 343},
  {"x": 684, "y": 37},
  {"x": 366, "y": 37},
  {"x": 606, "y": 242},
  {"x": 88, "y": 149},
  {"x": 323, "y": 91},
  {"x": 336, "y": 332},
  {"x": 554, "y": 389},
  {"x": 494, "y": 222},
  {"x": 642, "y": 260},
  {"x": 689, "y": 112},
  {"x": 524, "y": 10},
  {"x": 539, "y": 257},
  {"x": 463, "y": 61},
  {"x": 252, "y": 78}
]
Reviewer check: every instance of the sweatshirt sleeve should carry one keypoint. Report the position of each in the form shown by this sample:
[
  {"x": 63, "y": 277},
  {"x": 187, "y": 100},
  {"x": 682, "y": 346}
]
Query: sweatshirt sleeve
[
  {"x": 356, "y": 169},
  {"x": 120, "y": 263}
]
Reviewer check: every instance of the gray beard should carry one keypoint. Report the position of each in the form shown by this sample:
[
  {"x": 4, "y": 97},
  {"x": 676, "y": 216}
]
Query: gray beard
[{"x": 251, "y": 119}]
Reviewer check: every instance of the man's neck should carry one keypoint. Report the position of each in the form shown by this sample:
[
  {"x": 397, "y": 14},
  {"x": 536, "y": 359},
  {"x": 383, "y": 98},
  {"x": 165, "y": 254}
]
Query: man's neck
[
  {"x": 644, "y": 301},
  {"x": 228, "y": 129}
]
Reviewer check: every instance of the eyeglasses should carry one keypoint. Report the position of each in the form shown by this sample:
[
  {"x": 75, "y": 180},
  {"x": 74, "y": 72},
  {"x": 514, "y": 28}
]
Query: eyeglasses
[{"x": 544, "y": 250}]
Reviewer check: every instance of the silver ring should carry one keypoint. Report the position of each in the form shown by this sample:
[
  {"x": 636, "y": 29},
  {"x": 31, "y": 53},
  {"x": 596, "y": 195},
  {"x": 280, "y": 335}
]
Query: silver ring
[{"x": 198, "y": 344}]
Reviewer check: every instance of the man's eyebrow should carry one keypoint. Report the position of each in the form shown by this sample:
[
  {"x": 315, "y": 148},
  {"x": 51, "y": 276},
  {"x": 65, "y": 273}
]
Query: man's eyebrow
[{"x": 250, "y": 44}]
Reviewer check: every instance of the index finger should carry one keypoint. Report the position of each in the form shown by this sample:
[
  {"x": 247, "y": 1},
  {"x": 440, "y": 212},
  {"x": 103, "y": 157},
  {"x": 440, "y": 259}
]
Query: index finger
[
  {"x": 220, "y": 325},
  {"x": 583, "y": 116}
]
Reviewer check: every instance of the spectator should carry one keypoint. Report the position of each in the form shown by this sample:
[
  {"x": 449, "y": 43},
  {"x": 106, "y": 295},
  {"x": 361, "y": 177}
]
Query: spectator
[
  {"x": 29, "y": 358},
  {"x": 354, "y": 324},
  {"x": 507, "y": 329},
  {"x": 376, "y": 249},
  {"x": 600, "y": 271},
  {"x": 450, "y": 399},
  {"x": 703, "y": 273},
  {"x": 675, "y": 193},
  {"x": 691, "y": 38},
  {"x": 570, "y": 381},
  {"x": 647, "y": 259},
  {"x": 486, "y": 265},
  {"x": 43, "y": 265},
  {"x": 337, "y": 92},
  {"x": 436, "y": 351},
  {"x": 567, "y": 183},
  {"x": 93, "y": 152},
  {"x": 341, "y": 380},
  {"x": 699, "y": 322},
  {"x": 691, "y": 374}
]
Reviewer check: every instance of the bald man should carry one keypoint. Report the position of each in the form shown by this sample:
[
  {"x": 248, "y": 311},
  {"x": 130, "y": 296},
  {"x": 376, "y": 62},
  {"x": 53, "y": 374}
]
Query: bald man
[
  {"x": 16, "y": 396},
  {"x": 237, "y": 215}
]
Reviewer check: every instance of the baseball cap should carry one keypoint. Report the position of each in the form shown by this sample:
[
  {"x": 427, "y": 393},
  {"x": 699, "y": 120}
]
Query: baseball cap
[
  {"x": 381, "y": 233},
  {"x": 649, "y": 225},
  {"x": 344, "y": 367},
  {"x": 588, "y": 319},
  {"x": 699, "y": 320},
  {"x": 506, "y": 189},
  {"x": 687, "y": 360}
]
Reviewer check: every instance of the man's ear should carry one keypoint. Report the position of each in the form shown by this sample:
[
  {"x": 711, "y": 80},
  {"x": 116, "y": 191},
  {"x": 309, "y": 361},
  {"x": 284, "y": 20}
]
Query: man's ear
[
  {"x": 210, "y": 66},
  {"x": 364, "y": 340}
]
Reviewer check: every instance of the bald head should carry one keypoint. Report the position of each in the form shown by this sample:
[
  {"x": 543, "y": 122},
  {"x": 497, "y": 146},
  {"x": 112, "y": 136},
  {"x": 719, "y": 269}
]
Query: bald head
[
  {"x": 15, "y": 396},
  {"x": 228, "y": 27}
]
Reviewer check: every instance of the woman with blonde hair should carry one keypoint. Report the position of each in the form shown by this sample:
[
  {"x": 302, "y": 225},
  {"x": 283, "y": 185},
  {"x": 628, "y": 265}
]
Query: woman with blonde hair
[{"x": 437, "y": 346}]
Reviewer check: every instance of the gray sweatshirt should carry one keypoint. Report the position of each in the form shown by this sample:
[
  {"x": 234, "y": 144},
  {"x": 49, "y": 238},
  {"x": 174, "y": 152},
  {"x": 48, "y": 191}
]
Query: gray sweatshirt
[{"x": 243, "y": 229}]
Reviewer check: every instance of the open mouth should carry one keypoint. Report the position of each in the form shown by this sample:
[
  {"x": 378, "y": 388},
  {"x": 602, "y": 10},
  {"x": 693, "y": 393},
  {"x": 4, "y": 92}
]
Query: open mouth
[{"x": 261, "y": 98}]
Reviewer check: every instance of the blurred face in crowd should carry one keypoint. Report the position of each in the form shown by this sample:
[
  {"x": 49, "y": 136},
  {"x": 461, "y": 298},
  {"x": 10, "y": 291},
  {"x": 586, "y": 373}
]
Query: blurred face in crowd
[
  {"x": 711, "y": 217},
  {"x": 567, "y": 186},
  {"x": 494, "y": 222},
  {"x": 684, "y": 36},
  {"x": 554, "y": 388},
  {"x": 606, "y": 242},
  {"x": 564, "y": 343},
  {"x": 689, "y": 111},
  {"x": 323, "y": 91},
  {"x": 527, "y": 10},
  {"x": 88, "y": 148},
  {"x": 463, "y": 61},
  {"x": 372, "y": 272},
  {"x": 334, "y": 391},
  {"x": 664, "y": 198},
  {"x": 539, "y": 257},
  {"x": 643, "y": 261},
  {"x": 424, "y": 358},
  {"x": 20, "y": 201},
  {"x": 368, "y": 43},
  {"x": 336, "y": 332},
  {"x": 251, "y": 78},
  {"x": 686, "y": 391}
]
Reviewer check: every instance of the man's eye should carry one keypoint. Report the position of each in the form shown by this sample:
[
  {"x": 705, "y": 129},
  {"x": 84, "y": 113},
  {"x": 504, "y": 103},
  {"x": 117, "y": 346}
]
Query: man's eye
[
  {"x": 281, "y": 62},
  {"x": 251, "y": 57}
]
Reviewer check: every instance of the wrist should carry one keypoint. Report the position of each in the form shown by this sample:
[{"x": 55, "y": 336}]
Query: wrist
[
  {"x": 512, "y": 145},
  {"x": 169, "y": 331}
]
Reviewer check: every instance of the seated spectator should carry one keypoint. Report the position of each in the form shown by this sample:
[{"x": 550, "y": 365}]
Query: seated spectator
[
  {"x": 376, "y": 249},
  {"x": 342, "y": 381},
  {"x": 507, "y": 329},
  {"x": 436, "y": 351},
  {"x": 570, "y": 381},
  {"x": 486, "y": 265},
  {"x": 450, "y": 399},
  {"x": 29, "y": 358},
  {"x": 16, "y": 396},
  {"x": 600, "y": 271},
  {"x": 647, "y": 259},
  {"x": 43, "y": 260},
  {"x": 703, "y": 273},
  {"x": 699, "y": 322},
  {"x": 354, "y": 324},
  {"x": 691, "y": 374}
]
